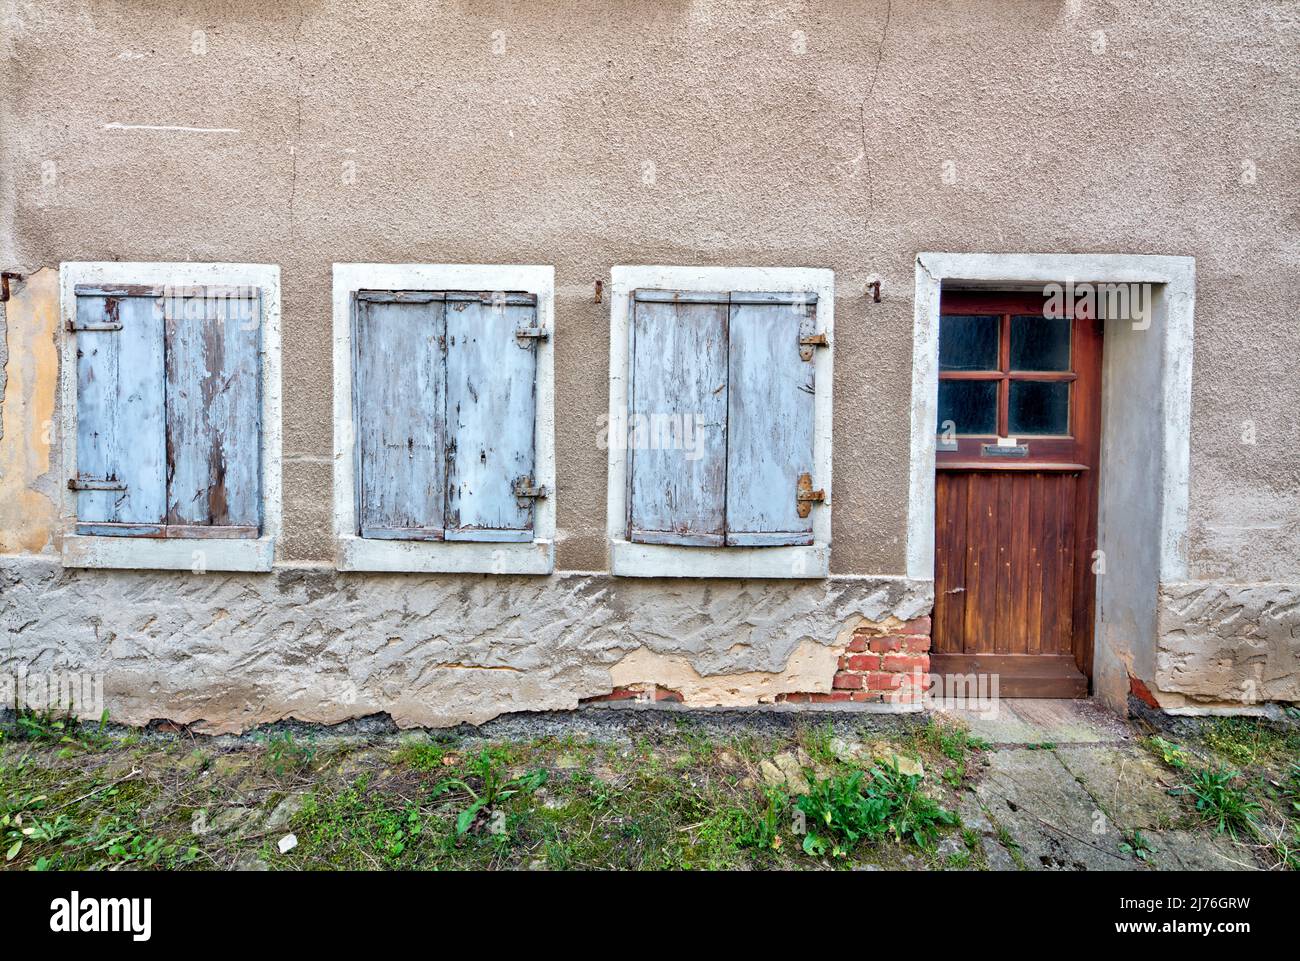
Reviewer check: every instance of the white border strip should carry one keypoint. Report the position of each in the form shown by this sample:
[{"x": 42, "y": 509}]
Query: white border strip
[
  {"x": 196, "y": 554},
  {"x": 660, "y": 560},
  {"x": 356, "y": 553},
  {"x": 1177, "y": 274}
]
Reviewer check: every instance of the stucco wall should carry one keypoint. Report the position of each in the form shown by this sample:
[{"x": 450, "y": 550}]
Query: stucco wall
[
  {"x": 226, "y": 652},
  {"x": 838, "y": 134}
]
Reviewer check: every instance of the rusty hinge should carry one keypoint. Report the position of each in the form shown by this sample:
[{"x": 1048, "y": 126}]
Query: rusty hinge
[
  {"x": 523, "y": 487},
  {"x": 95, "y": 484},
  {"x": 805, "y": 496},
  {"x": 73, "y": 326},
  {"x": 5, "y": 277},
  {"x": 806, "y": 345}
]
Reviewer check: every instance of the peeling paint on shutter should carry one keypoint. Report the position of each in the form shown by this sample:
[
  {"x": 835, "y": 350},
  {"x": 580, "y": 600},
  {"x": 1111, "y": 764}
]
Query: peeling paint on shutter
[
  {"x": 491, "y": 407},
  {"x": 770, "y": 419},
  {"x": 677, "y": 432},
  {"x": 400, "y": 403},
  {"x": 120, "y": 415},
  {"x": 214, "y": 413}
]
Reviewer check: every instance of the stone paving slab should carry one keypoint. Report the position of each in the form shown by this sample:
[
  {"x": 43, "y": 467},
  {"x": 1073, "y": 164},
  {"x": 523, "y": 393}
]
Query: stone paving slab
[
  {"x": 1129, "y": 784},
  {"x": 1049, "y": 814},
  {"x": 1197, "y": 851},
  {"x": 1043, "y": 722}
]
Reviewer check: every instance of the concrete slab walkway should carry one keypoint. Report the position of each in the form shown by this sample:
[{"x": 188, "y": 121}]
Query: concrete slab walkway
[{"x": 1068, "y": 782}]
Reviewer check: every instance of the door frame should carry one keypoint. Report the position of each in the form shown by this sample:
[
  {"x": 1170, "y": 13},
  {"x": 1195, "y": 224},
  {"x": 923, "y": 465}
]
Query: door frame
[{"x": 1143, "y": 500}]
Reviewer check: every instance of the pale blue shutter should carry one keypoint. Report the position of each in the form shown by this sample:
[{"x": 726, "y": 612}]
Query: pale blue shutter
[
  {"x": 770, "y": 418},
  {"x": 121, "y": 439},
  {"x": 214, "y": 412},
  {"x": 491, "y": 408},
  {"x": 677, "y": 435},
  {"x": 400, "y": 402}
]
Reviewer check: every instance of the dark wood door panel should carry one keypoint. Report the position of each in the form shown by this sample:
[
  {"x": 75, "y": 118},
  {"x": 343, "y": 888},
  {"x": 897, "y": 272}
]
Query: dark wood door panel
[{"x": 1004, "y": 562}]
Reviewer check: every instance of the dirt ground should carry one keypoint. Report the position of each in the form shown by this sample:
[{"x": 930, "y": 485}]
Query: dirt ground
[{"x": 1044, "y": 785}]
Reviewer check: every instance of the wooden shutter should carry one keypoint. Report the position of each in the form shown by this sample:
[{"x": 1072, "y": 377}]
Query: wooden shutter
[
  {"x": 214, "y": 412},
  {"x": 121, "y": 437},
  {"x": 677, "y": 436},
  {"x": 491, "y": 410},
  {"x": 400, "y": 403},
  {"x": 770, "y": 418}
]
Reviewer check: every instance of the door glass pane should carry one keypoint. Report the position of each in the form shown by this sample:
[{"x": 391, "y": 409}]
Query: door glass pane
[
  {"x": 968, "y": 342},
  {"x": 1040, "y": 343},
  {"x": 972, "y": 405},
  {"x": 1039, "y": 407}
]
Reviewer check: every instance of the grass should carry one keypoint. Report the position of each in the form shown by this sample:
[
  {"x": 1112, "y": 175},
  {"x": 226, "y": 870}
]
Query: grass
[
  {"x": 74, "y": 797},
  {"x": 954, "y": 744},
  {"x": 1242, "y": 778},
  {"x": 682, "y": 799}
]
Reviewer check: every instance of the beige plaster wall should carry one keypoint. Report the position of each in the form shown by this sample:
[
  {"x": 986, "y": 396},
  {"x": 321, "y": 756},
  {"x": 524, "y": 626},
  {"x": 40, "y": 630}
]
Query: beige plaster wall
[{"x": 694, "y": 131}]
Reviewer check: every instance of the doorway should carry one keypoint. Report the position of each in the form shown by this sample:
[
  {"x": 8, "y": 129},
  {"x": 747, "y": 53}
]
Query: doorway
[{"x": 1016, "y": 481}]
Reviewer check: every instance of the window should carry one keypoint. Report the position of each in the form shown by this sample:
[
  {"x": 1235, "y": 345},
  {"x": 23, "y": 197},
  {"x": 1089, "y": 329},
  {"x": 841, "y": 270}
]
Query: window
[
  {"x": 724, "y": 459},
  {"x": 1008, "y": 376},
  {"x": 446, "y": 367},
  {"x": 165, "y": 405}
]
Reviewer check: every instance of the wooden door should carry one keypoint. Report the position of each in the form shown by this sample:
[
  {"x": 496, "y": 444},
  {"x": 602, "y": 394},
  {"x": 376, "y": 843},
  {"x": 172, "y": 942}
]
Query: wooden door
[{"x": 1016, "y": 492}]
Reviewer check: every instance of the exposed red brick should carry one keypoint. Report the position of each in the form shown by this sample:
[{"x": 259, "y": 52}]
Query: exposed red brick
[
  {"x": 792, "y": 698},
  {"x": 905, "y": 662},
  {"x": 917, "y": 643},
  {"x": 883, "y": 681},
  {"x": 1143, "y": 693},
  {"x": 820, "y": 698},
  {"x": 919, "y": 625},
  {"x": 618, "y": 694},
  {"x": 860, "y": 662},
  {"x": 858, "y": 644},
  {"x": 847, "y": 681},
  {"x": 883, "y": 645}
]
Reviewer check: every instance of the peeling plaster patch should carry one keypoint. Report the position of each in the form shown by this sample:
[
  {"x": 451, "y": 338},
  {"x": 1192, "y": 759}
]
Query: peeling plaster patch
[
  {"x": 28, "y": 517},
  {"x": 810, "y": 669},
  {"x": 225, "y": 652},
  {"x": 1228, "y": 643}
]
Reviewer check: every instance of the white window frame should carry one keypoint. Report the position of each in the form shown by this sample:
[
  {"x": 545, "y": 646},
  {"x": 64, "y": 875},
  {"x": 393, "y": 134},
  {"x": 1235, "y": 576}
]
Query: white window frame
[
  {"x": 179, "y": 553},
  {"x": 628, "y": 559},
  {"x": 356, "y": 553}
]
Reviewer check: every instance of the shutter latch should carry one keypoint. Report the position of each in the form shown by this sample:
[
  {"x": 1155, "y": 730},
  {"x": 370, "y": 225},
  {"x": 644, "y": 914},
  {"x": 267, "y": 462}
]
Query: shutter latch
[
  {"x": 95, "y": 484},
  {"x": 805, "y": 496},
  {"x": 533, "y": 332},
  {"x": 806, "y": 345},
  {"x": 73, "y": 326},
  {"x": 523, "y": 487}
]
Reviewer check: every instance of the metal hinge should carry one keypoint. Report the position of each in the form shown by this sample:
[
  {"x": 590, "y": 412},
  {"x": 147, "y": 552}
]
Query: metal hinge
[
  {"x": 73, "y": 326},
  {"x": 805, "y": 496},
  {"x": 523, "y": 487},
  {"x": 95, "y": 484},
  {"x": 808, "y": 343}
]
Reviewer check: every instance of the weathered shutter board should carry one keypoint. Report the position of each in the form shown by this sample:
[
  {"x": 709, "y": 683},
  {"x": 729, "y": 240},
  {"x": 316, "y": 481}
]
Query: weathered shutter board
[
  {"x": 770, "y": 418},
  {"x": 121, "y": 414},
  {"x": 214, "y": 412},
  {"x": 399, "y": 400},
  {"x": 491, "y": 413},
  {"x": 679, "y": 371}
]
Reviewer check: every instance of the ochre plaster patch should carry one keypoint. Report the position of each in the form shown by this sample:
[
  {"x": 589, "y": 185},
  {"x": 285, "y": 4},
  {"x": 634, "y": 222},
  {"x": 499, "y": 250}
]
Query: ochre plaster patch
[
  {"x": 27, "y": 516},
  {"x": 811, "y": 668}
]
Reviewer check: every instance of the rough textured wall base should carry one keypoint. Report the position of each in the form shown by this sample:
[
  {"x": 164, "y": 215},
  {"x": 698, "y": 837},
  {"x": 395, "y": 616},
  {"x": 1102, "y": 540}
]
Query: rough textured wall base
[
  {"x": 227, "y": 652},
  {"x": 1227, "y": 644}
]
